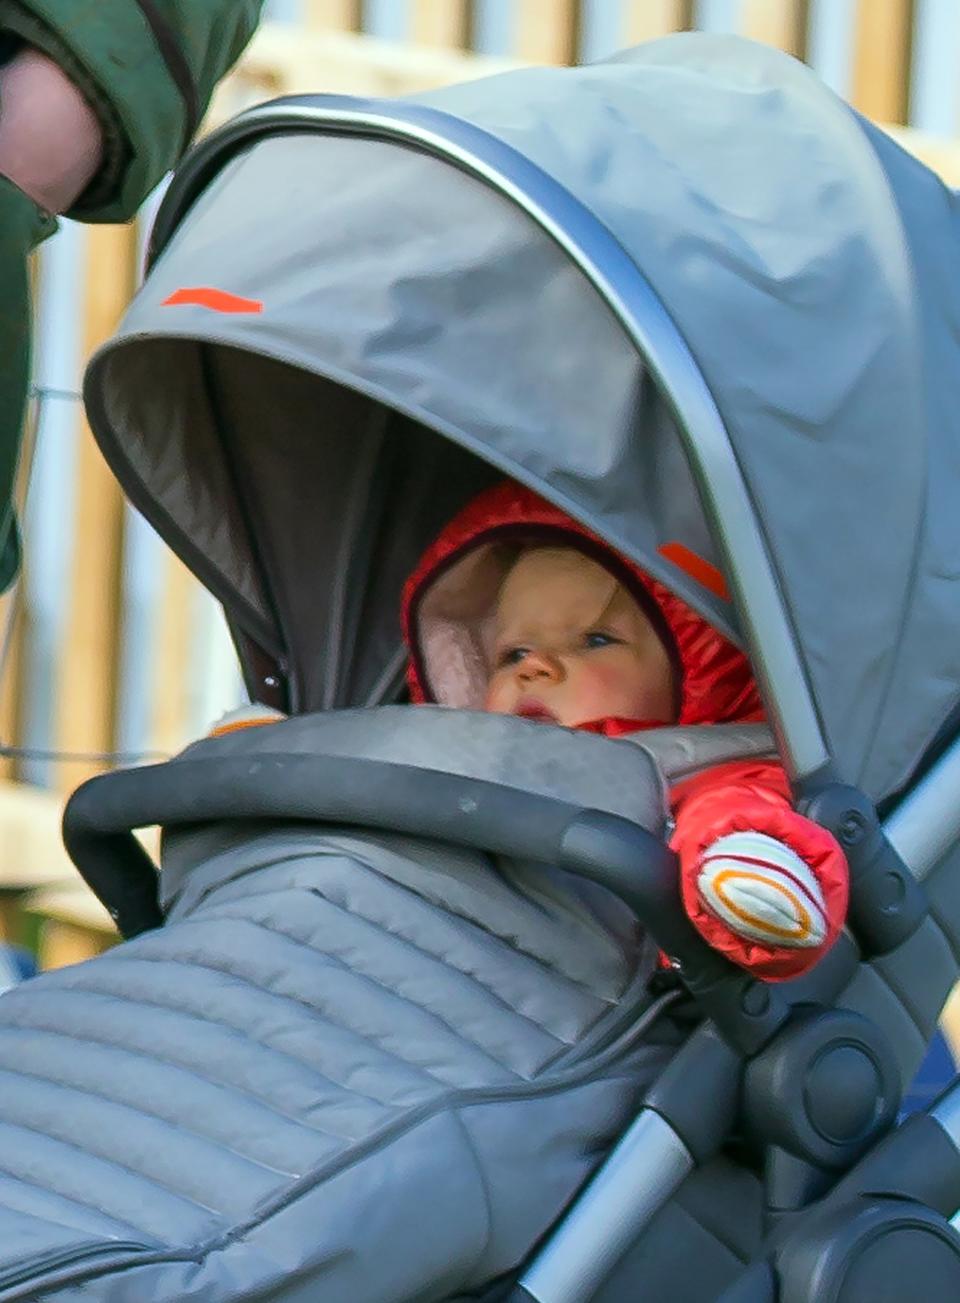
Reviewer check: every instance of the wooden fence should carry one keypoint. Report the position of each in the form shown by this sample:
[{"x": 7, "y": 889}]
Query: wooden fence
[
  {"x": 879, "y": 54},
  {"x": 77, "y": 678}
]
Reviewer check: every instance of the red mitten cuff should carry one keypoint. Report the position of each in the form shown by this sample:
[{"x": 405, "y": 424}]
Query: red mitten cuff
[{"x": 739, "y": 887}]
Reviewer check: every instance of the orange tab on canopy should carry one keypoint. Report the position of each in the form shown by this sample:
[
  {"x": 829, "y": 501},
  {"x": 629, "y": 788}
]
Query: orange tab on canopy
[
  {"x": 204, "y": 296},
  {"x": 705, "y": 574}
]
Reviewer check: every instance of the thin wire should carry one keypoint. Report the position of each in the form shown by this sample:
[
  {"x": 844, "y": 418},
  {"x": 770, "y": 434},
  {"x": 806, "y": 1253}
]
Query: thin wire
[
  {"x": 94, "y": 757},
  {"x": 643, "y": 1024},
  {"x": 51, "y": 391}
]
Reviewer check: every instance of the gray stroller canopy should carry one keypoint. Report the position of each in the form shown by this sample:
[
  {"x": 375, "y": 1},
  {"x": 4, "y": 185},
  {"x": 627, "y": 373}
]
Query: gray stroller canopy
[{"x": 686, "y": 294}]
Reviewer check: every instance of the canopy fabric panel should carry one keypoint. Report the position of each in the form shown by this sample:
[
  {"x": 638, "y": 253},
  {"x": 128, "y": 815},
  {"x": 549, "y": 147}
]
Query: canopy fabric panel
[
  {"x": 402, "y": 301},
  {"x": 810, "y": 266}
]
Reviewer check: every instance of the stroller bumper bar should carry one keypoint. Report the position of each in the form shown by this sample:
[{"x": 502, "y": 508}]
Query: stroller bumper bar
[{"x": 100, "y": 817}]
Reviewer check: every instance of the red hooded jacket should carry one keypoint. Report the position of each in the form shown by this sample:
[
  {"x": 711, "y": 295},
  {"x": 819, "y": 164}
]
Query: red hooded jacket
[{"x": 715, "y": 686}]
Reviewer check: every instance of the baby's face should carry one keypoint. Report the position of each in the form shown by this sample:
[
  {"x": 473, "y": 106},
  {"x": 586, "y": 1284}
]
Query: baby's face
[{"x": 572, "y": 646}]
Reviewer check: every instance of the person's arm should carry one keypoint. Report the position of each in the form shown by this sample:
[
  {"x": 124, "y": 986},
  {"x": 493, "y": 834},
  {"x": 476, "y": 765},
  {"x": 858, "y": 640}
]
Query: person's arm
[
  {"x": 145, "y": 69},
  {"x": 763, "y": 885},
  {"x": 51, "y": 145}
]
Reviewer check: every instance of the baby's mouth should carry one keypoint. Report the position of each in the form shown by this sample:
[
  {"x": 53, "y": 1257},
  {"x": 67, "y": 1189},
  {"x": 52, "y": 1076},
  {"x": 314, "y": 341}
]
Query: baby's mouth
[{"x": 531, "y": 708}]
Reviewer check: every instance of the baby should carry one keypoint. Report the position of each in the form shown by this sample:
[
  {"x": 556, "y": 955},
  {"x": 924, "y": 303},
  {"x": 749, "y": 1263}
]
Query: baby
[
  {"x": 553, "y": 626},
  {"x": 516, "y": 608},
  {"x": 572, "y": 646}
]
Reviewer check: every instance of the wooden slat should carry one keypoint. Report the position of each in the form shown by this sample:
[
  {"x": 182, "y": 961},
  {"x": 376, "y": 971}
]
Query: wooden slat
[
  {"x": 60, "y": 944},
  {"x": 13, "y": 616},
  {"x": 881, "y": 71},
  {"x": 284, "y": 60},
  {"x": 31, "y": 849},
  {"x": 11, "y": 918},
  {"x": 31, "y": 855},
  {"x": 342, "y": 15},
  {"x": 938, "y": 152},
  {"x": 13, "y": 626},
  {"x": 546, "y": 31},
  {"x": 645, "y": 20},
  {"x": 88, "y": 666},
  {"x": 170, "y": 726},
  {"x": 782, "y": 23},
  {"x": 74, "y": 903},
  {"x": 441, "y": 22},
  {"x": 72, "y": 926}
]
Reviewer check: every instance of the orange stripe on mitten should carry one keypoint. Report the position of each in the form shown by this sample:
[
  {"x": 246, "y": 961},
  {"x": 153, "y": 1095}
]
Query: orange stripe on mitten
[{"x": 763, "y": 890}]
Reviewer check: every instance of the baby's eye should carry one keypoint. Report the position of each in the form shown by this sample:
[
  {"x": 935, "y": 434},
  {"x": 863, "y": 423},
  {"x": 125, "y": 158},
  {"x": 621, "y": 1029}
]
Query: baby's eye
[
  {"x": 597, "y": 638},
  {"x": 512, "y": 656}
]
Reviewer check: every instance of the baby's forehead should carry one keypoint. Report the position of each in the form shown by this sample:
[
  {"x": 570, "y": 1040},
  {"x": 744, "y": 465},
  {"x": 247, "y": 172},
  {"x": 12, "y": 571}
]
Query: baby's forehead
[
  {"x": 563, "y": 564},
  {"x": 554, "y": 583}
]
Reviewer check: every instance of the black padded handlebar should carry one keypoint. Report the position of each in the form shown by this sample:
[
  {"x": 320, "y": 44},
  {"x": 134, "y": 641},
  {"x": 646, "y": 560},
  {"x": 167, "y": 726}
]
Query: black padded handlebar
[{"x": 622, "y": 856}]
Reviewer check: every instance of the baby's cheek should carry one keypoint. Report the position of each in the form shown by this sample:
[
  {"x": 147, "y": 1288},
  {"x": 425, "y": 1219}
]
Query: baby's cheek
[
  {"x": 618, "y": 685},
  {"x": 497, "y": 696},
  {"x": 604, "y": 681}
]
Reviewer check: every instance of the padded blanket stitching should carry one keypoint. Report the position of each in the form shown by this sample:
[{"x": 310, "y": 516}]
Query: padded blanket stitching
[
  {"x": 522, "y": 1090},
  {"x": 141, "y": 1108},
  {"x": 394, "y": 1127},
  {"x": 227, "y": 910},
  {"x": 348, "y": 1091},
  {"x": 374, "y": 981},
  {"x": 69, "y": 1198},
  {"x": 111, "y": 1162},
  {"x": 356, "y": 855},
  {"x": 193, "y": 962}
]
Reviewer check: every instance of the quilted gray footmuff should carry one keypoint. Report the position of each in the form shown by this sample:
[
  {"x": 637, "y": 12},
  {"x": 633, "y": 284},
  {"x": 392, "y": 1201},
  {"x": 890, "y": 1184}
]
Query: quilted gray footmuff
[{"x": 353, "y": 1065}]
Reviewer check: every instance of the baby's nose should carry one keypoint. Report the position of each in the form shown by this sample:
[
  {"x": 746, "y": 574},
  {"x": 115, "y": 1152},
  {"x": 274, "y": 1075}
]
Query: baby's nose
[{"x": 540, "y": 664}]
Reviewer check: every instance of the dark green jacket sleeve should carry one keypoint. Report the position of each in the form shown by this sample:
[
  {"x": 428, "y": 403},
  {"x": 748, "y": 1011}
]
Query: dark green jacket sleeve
[{"x": 148, "y": 67}]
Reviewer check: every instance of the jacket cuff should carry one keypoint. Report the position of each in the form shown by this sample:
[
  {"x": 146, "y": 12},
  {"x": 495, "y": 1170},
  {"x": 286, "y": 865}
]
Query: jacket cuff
[
  {"x": 109, "y": 51},
  {"x": 29, "y": 30}
]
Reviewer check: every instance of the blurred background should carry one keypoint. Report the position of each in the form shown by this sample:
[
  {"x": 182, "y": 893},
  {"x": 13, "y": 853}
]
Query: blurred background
[{"x": 109, "y": 651}]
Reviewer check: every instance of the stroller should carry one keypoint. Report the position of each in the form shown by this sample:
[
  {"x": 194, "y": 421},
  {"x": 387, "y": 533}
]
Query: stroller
[{"x": 380, "y": 1031}]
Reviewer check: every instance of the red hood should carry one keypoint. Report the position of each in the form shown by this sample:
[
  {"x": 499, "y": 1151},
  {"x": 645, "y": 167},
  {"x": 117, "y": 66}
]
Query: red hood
[{"x": 716, "y": 683}]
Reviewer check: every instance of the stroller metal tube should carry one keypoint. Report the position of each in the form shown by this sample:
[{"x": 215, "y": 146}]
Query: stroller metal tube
[
  {"x": 927, "y": 822},
  {"x": 641, "y": 1174},
  {"x": 946, "y": 1111}
]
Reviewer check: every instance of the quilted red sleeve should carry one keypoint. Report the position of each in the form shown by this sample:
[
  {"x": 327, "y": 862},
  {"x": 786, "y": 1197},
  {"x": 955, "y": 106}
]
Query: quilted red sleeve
[{"x": 754, "y": 796}]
